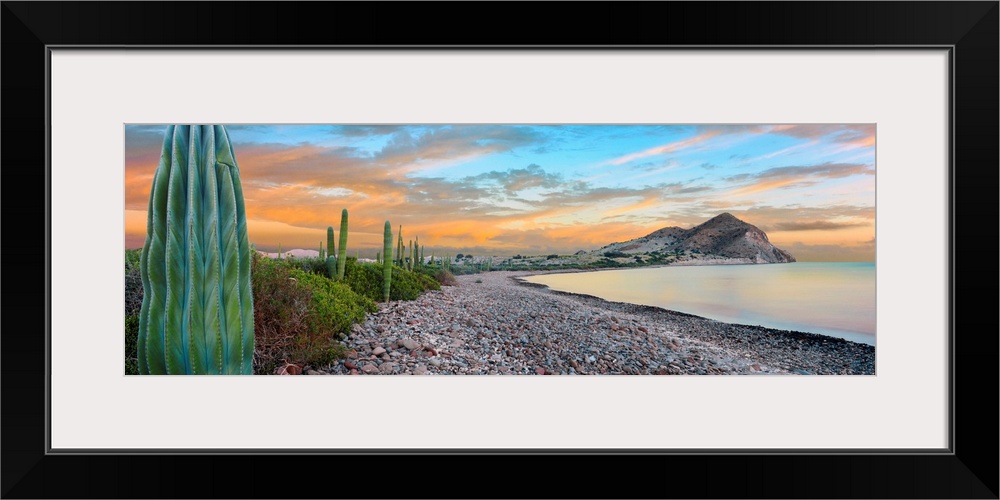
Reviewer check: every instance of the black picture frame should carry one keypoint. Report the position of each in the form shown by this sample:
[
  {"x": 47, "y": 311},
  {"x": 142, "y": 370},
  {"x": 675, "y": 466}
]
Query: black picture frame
[{"x": 968, "y": 470}]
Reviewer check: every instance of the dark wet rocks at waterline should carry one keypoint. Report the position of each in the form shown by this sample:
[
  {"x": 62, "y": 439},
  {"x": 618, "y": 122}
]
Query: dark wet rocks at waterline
[{"x": 492, "y": 324}]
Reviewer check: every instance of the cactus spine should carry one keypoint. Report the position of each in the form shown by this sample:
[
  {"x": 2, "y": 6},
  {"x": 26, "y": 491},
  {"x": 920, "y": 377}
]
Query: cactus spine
[
  {"x": 386, "y": 260},
  {"x": 197, "y": 307},
  {"x": 342, "y": 254}
]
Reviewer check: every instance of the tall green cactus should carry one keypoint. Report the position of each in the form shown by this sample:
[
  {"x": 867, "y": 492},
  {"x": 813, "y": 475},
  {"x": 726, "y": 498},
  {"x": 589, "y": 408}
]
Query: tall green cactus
[
  {"x": 386, "y": 260},
  {"x": 321, "y": 250},
  {"x": 331, "y": 248},
  {"x": 279, "y": 250},
  {"x": 197, "y": 306},
  {"x": 331, "y": 259},
  {"x": 342, "y": 254},
  {"x": 399, "y": 246}
]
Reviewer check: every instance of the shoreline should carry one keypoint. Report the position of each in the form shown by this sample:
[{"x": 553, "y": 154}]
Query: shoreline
[
  {"x": 493, "y": 323},
  {"x": 777, "y": 331}
]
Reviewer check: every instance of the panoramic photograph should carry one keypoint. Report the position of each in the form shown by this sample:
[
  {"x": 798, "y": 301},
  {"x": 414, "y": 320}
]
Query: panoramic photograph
[{"x": 499, "y": 249}]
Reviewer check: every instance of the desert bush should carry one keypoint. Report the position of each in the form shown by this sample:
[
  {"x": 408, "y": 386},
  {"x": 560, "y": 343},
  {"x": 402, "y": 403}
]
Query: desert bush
[
  {"x": 312, "y": 265},
  {"x": 133, "y": 282},
  {"x": 131, "y": 344},
  {"x": 335, "y": 306},
  {"x": 444, "y": 277},
  {"x": 133, "y": 304},
  {"x": 366, "y": 279},
  {"x": 299, "y": 316}
]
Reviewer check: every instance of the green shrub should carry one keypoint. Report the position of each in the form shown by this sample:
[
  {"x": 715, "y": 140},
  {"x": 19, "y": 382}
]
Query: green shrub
[
  {"x": 131, "y": 344},
  {"x": 367, "y": 280},
  {"x": 312, "y": 265},
  {"x": 299, "y": 315},
  {"x": 335, "y": 306}
]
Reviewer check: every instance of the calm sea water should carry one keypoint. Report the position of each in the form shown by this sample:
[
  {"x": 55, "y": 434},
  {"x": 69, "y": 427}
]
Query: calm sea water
[{"x": 829, "y": 298}]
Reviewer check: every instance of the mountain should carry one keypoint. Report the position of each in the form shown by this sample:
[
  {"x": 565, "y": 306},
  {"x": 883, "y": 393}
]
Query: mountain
[{"x": 721, "y": 238}]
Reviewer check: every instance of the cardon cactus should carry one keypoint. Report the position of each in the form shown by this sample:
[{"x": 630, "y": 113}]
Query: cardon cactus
[
  {"x": 331, "y": 248},
  {"x": 331, "y": 260},
  {"x": 342, "y": 254},
  {"x": 197, "y": 305},
  {"x": 386, "y": 260}
]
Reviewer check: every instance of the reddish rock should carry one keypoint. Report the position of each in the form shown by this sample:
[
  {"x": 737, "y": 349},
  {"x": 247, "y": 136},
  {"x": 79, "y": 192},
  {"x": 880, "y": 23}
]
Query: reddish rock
[
  {"x": 288, "y": 369},
  {"x": 540, "y": 371},
  {"x": 354, "y": 372},
  {"x": 352, "y": 354},
  {"x": 430, "y": 351},
  {"x": 643, "y": 329},
  {"x": 350, "y": 365}
]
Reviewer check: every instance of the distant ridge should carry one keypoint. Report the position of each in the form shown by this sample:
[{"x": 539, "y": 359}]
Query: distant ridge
[{"x": 721, "y": 238}]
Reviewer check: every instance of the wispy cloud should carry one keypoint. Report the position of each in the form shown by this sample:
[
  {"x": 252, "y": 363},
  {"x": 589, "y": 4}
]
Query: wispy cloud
[{"x": 667, "y": 148}]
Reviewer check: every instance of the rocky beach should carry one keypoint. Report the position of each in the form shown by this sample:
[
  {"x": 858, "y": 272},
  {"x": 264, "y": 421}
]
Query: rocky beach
[{"x": 494, "y": 324}]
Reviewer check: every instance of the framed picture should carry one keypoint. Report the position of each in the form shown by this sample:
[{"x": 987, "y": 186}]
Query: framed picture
[{"x": 921, "y": 76}]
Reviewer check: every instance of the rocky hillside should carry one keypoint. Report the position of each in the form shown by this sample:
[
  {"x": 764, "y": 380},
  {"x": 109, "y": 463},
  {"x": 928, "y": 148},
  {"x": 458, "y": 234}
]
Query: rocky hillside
[{"x": 721, "y": 238}]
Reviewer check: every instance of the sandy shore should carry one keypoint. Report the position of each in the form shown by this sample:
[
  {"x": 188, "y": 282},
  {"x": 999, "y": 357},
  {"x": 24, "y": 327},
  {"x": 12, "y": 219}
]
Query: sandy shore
[{"x": 492, "y": 323}]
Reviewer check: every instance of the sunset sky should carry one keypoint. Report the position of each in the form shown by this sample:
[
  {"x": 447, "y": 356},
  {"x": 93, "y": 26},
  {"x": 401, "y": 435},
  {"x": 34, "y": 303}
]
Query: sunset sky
[{"x": 534, "y": 189}]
